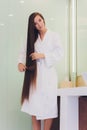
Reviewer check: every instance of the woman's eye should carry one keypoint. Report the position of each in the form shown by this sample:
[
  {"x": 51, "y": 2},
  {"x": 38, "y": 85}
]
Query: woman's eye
[
  {"x": 39, "y": 20},
  {"x": 35, "y": 24}
]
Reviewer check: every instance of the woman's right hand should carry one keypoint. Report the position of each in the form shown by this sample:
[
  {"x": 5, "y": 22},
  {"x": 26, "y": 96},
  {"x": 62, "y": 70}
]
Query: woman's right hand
[{"x": 21, "y": 67}]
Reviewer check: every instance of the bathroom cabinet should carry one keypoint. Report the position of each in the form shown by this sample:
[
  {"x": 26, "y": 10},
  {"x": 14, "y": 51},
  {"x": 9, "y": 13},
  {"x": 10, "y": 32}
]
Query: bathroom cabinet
[{"x": 69, "y": 107}]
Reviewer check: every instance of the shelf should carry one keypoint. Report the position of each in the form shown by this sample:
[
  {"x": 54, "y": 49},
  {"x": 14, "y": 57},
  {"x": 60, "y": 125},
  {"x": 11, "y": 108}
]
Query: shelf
[{"x": 75, "y": 91}]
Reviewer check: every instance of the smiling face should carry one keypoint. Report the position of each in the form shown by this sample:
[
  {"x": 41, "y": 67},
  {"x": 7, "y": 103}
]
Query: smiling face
[{"x": 39, "y": 23}]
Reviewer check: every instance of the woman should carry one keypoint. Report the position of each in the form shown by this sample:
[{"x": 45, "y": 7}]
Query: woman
[{"x": 37, "y": 59}]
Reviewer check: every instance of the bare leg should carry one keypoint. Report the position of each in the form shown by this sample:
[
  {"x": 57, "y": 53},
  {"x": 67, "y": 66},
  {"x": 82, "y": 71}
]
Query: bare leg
[
  {"x": 36, "y": 124},
  {"x": 47, "y": 124}
]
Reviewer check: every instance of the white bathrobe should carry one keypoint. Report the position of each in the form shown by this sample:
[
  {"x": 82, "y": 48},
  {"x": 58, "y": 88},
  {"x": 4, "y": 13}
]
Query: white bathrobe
[{"x": 43, "y": 100}]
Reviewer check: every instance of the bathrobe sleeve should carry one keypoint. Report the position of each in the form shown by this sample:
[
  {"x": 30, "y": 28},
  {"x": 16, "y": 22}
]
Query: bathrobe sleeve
[
  {"x": 52, "y": 57},
  {"x": 22, "y": 55}
]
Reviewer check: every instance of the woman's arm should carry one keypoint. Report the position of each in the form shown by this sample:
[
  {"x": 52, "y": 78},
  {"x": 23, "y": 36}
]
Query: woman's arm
[
  {"x": 22, "y": 59},
  {"x": 36, "y": 56}
]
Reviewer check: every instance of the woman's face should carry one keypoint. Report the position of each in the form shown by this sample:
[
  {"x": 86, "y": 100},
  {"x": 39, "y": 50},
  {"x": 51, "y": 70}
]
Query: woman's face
[{"x": 39, "y": 23}]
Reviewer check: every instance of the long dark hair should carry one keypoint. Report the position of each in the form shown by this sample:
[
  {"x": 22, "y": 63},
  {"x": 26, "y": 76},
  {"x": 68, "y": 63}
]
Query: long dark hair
[{"x": 31, "y": 71}]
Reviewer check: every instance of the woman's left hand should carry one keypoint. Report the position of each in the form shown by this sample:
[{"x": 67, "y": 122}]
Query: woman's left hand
[{"x": 36, "y": 56}]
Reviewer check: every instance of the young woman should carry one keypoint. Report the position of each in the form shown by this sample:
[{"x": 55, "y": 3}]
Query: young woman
[{"x": 38, "y": 59}]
